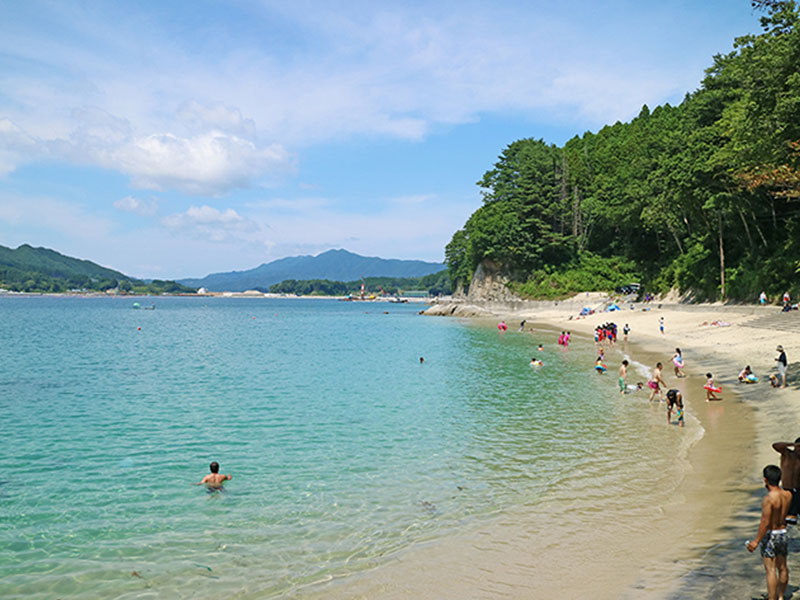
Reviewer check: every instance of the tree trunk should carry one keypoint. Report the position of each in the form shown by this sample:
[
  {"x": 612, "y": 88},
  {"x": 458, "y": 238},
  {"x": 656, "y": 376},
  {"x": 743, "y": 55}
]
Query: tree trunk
[
  {"x": 746, "y": 228},
  {"x": 576, "y": 214},
  {"x": 721, "y": 259},
  {"x": 758, "y": 229}
]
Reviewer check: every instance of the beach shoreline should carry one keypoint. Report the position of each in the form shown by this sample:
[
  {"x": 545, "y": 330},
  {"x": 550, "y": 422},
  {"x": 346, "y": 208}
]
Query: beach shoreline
[{"x": 720, "y": 339}]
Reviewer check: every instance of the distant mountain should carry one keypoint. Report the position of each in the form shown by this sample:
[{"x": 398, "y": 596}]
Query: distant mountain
[
  {"x": 337, "y": 265},
  {"x": 29, "y": 269},
  {"x": 53, "y": 264}
]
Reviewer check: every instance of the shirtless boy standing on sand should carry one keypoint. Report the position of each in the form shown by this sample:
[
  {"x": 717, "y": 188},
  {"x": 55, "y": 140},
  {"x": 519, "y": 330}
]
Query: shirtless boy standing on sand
[
  {"x": 772, "y": 533},
  {"x": 623, "y": 377},
  {"x": 656, "y": 382},
  {"x": 214, "y": 480},
  {"x": 790, "y": 475}
]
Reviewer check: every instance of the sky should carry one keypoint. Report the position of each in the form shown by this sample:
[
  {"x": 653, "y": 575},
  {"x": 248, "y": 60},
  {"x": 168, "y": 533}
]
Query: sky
[{"x": 177, "y": 139}]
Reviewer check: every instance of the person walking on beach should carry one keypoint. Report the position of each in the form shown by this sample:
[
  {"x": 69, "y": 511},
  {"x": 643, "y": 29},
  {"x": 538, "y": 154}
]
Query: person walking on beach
[
  {"x": 762, "y": 299},
  {"x": 214, "y": 479},
  {"x": 656, "y": 382},
  {"x": 661, "y": 324},
  {"x": 625, "y": 331},
  {"x": 771, "y": 534},
  {"x": 782, "y": 364},
  {"x": 674, "y": 400},
  {"x": 790, "y": 475},
  {"x": 623, "y": 377},
  {"x": 711, "y": 389},
  {"x": 677, "y": 361}
]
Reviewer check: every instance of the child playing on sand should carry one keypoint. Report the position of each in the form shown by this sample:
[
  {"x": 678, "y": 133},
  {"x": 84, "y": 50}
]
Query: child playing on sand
[
  {"x": 677, "y": 360},
  {"x": 747, "y": 375},
  {"x": 674, "y": 400},
  {"x": 214, "y": 480},
  {"x": 711, "y": 391}
]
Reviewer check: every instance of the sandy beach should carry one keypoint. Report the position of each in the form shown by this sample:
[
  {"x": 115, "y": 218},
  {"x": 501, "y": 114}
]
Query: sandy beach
[{"x": 651, "y": 541}]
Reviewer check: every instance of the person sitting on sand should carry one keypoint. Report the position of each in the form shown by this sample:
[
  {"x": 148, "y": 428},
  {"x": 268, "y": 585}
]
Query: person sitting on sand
[
  {"x": 711, "y": 390},
  {"x": 772, "y": 533},
  {"x": 747, "y": 376},
  {"x": 655, "y": 383},
  {"x": 214, "y": 479},
  {"x": 773, "y": 381},
  {"x": 674, "y": 400}
]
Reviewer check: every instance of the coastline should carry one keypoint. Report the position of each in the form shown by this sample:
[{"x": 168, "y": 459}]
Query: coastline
[{"x": 721, "y": 494}]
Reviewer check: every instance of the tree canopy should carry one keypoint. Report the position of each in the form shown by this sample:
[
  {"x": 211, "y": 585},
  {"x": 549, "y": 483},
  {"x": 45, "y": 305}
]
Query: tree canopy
[{"x": 702, "y": 197}]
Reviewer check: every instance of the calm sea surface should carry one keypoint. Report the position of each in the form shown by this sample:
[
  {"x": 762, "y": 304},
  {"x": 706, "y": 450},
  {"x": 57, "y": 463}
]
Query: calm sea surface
[{"x": 343, "y": 448}]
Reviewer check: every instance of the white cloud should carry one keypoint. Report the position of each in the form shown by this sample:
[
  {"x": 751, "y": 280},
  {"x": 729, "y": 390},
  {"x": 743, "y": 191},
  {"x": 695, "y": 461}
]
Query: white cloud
[
  {"x": 143, "y": 207},
  {"x": 207, "y": 164},
  {"x": 134, "y": 96},
  {"x": 215, "y": 225}
]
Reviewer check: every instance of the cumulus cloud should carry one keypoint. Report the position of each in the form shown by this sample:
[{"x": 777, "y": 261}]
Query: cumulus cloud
[
  {"x": 210, "y": 163},
  {"x": 142, "y": 207},
  {"x": 214, "y": 225}
]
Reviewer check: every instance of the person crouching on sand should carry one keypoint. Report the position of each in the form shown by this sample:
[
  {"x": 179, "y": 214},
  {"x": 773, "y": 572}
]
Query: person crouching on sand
[
  {"x": 674, "y": 400},
  {"x": 772, "y": 533},
  {"x": 214, "y": 479}
]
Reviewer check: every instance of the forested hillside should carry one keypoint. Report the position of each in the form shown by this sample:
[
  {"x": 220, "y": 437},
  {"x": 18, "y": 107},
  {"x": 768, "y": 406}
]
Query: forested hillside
[
  {"x": 703, "y": 197},
  {"x": 29, "y": 269},
  {"x": 435, "y": 284}
]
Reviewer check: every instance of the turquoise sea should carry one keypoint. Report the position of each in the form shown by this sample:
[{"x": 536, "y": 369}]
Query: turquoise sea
[{"x": 343, "y": 448}]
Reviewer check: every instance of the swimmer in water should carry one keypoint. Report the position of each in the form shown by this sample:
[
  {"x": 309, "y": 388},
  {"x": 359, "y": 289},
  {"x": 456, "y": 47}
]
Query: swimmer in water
[
  {"x": 540, "y": 347},
  {"x": 213, "y": 481}
]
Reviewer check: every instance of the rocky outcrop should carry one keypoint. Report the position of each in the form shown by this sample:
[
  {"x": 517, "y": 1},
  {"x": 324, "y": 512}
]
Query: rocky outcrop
[
  {"x": 457, "y": 309},
  {"x": 490, "y": 283}
]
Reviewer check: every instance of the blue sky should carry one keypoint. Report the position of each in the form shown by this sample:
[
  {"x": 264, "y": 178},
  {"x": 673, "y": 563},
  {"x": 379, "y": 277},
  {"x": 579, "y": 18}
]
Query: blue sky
[{"x": 176, "y": 139}]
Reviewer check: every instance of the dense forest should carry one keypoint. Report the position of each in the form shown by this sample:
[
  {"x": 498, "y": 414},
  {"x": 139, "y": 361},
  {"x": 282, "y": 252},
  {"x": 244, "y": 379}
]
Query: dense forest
[
  {"x": 435, "y": 284},
  {"x": 29, "y": 269},
  {"x": 703, "y": 197}
]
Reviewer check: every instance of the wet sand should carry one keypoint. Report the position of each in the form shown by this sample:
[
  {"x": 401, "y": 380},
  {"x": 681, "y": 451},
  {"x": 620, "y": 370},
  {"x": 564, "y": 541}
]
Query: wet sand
[{"x": 671, "y": 537}]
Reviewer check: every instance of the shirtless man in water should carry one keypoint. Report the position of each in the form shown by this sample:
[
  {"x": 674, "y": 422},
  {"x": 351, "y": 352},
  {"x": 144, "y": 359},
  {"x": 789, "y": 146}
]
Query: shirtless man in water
[
  {"x": 790, "y": 475},
  {"x": 214, "y": 479},
  {"x": 772, "y": 533}
]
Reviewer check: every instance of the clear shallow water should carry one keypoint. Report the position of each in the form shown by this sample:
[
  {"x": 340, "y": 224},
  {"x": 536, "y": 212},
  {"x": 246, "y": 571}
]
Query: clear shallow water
[{"x": 342, "y": 447}]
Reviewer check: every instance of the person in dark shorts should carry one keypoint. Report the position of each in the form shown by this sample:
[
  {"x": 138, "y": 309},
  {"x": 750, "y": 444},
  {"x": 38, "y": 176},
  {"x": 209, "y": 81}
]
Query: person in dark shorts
[
  {"x": 790, "y": 475},
  {"x": 771, "y": 534},
  {"x": 674, "y": 400}
]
